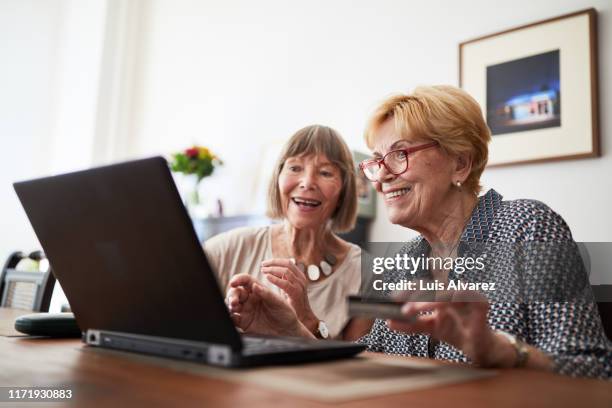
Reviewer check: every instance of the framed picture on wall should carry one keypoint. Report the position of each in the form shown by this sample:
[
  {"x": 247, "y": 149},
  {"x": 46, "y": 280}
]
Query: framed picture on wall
[{"x": 537, "y": 85}]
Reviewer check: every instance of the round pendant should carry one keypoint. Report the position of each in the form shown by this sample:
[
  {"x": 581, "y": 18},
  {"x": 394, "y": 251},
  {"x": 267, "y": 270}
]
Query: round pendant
[
  {"x": 313, "y": 272},
  {"x": 326, "y": 268}
]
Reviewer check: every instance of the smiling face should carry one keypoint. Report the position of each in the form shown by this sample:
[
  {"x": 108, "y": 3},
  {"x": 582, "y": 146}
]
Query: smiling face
[
  {"x": 309, "y": 187},
  {"x": 413, "y": 199}
]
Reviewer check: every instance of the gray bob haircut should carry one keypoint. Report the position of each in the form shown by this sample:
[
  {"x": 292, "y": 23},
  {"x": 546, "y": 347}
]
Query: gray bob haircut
[{"x": 315, "y": 140}]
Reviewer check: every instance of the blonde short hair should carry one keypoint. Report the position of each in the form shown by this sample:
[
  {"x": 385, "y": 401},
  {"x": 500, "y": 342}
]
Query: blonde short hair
[
  {"x": 317, "y": 140},
  {"x": 442, "y": 113}
]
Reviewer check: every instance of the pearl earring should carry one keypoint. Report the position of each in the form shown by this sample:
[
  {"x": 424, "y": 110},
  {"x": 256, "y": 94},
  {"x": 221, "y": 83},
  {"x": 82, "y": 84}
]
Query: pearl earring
[{"x": 458, "y": 183}]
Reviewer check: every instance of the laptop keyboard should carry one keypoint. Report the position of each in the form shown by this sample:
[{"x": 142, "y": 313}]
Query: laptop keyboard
[{"x": 268, "y": 345}]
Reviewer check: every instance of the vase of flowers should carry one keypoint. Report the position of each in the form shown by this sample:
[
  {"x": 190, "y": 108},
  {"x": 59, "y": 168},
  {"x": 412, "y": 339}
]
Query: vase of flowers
[{"x": 195, "y": 163}]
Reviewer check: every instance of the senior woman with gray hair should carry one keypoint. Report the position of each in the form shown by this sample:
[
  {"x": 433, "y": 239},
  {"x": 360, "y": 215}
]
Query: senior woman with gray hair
[
  {"x": 301, "y": 260},
  {"x": 429, "y": 151}
]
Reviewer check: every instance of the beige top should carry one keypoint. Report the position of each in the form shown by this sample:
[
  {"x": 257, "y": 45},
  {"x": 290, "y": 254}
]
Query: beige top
[{"x": 242, "y": 250}]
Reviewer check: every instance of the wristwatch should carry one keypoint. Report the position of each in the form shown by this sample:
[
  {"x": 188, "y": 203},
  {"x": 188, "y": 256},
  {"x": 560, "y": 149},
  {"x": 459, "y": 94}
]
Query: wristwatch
[
  {"x": 322, "y": 332},
  {"x": 521, "y": 349}
]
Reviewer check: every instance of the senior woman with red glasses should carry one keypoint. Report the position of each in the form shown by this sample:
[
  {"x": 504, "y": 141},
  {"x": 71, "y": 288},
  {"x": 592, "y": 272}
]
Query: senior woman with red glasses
[{"x": 429, "y": 151}]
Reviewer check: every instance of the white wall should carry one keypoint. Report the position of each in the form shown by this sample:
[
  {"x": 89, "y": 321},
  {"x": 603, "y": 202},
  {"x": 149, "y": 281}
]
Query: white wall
[
  {"x": 51, "y": 88},
  {"x": 29, "y": 38},
  {"x": 240, "y": 76},
  {"x": 51, "y": 54}
]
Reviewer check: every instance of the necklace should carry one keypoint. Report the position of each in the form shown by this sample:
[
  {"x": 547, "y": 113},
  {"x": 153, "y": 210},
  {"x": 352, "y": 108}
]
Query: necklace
[{"x": 313, "y": 271}]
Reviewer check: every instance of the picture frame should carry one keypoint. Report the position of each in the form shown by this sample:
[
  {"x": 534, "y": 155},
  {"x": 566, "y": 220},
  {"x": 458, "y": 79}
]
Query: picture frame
[{"x": 537, "y": 85}]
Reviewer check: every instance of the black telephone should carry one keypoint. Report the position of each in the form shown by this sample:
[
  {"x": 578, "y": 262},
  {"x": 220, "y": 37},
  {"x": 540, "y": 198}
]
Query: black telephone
[{"x": 48, "y": 324}]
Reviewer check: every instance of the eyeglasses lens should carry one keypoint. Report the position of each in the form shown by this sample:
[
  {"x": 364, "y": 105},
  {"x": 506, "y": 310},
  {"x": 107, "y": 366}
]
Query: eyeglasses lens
[
  {"x": 396, "y": 162},
  {"x": 371, "y": 170}
]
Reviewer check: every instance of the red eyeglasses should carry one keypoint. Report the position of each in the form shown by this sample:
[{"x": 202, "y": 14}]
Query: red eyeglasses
[{"x": 396, "y": 161}]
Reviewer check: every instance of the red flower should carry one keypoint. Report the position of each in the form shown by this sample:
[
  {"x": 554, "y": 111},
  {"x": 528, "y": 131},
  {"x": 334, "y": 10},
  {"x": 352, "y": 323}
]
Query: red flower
[{"x": 192, "y": 153}]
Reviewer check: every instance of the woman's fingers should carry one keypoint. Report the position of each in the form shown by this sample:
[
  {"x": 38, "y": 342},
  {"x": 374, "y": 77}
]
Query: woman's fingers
[
  {"x": 236, "y": 297},
  {"x": 236, "y": 319},
  {"x": 417, "y": 322},
  {"x": 278, "y": 271},
  {"x": 414, "y": 308},
  {"x": 234, "y": 307},
  {"x": 447, "y": 321},
  {"x": 238, "y": 293},
  {"x": 285, "y": 265},
  {"x": 242, "y": 279},
  {"x": 269, "y": 298},
  {"x": 284, "y": 272},
  {"x": 284, "y": 284},
  {"x": 285, "y": 278},
  {"x": 421, "y": 324}
]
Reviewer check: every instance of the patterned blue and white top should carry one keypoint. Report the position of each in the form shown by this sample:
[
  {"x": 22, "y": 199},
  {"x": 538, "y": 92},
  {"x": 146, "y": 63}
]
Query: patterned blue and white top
[{"x": 567, "y": 329}]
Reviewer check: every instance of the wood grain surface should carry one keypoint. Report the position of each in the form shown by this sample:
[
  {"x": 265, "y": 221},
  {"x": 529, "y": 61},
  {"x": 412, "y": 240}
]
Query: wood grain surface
[{"x": 111, "y": 379}]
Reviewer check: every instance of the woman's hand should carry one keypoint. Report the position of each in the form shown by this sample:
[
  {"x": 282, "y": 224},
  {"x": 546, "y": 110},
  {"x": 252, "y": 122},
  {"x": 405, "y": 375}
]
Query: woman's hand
[
  {"x": 286, "y": 275},
  {"x": 460, "y": 320},
  {"x": 256, "y": 309}
]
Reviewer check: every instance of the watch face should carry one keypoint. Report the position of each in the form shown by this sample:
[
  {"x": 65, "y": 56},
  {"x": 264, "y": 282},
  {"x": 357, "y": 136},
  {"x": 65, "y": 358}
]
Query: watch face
[{"x": 323, "y": 330}]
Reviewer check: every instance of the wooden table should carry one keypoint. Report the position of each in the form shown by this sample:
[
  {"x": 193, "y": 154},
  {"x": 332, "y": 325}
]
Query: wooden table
[
  {"x": 103, "y": 380},
  {"x": 7, "y": 320}
]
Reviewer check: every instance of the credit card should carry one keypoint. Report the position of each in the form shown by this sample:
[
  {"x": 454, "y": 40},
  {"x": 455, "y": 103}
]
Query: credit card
[{"x": 377, "y": 309}]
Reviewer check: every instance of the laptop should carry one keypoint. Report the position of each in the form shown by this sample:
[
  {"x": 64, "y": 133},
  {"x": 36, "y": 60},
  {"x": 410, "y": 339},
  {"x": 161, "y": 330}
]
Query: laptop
[{"x": 124, "y": 250}]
